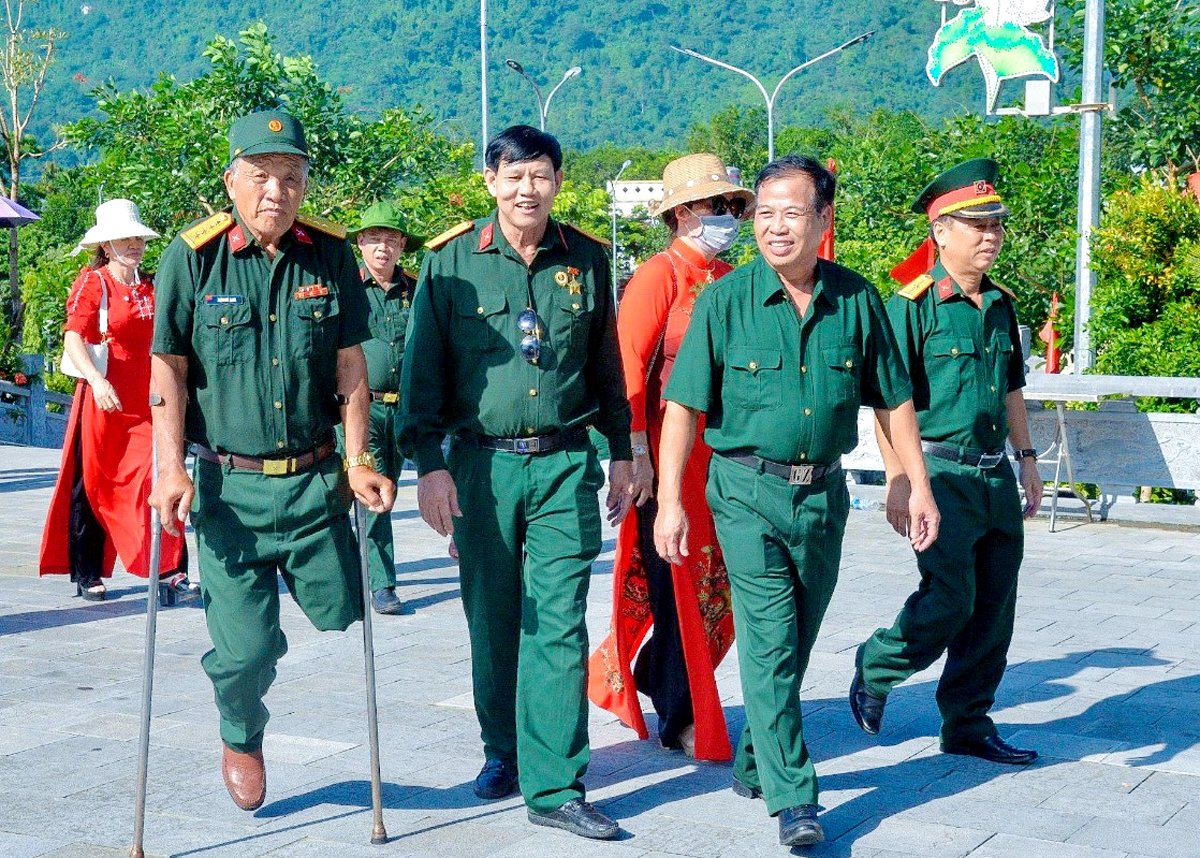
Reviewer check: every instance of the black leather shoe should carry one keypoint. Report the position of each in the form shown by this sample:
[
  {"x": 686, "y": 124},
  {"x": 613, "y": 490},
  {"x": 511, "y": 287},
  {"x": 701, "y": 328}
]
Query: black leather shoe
[
  {"x": 578, "y": 817},
  {"x": 798, "y": 826},
  {"x": 745, "y": 790},
  {"x": 496, "y": 779},
  {"x": 866, "y": 705},
  {"x": 992, "y": 748},
  {"x": 386, "y": 601}
]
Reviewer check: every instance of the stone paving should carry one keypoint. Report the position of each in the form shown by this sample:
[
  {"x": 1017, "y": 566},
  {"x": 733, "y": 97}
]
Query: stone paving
[{"x": 1104, "y": 680}]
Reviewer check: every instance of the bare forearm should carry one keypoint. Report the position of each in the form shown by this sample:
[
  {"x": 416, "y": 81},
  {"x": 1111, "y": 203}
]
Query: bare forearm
[
  {"x": 902, "y": 437},
  {"x": 356, "y": 407},
  {"x": 168, "y": 382},
  {"x": 1018, "y": 421},
  {"x": 678, "y": 438},
  {"x": 891, "y": 462}
]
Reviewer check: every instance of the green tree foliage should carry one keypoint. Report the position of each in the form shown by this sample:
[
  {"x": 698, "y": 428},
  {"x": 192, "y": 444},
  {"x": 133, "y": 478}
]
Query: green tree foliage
[
  {"x": 1146, "y": 306},
  {"x": 1152, "y": 48}
]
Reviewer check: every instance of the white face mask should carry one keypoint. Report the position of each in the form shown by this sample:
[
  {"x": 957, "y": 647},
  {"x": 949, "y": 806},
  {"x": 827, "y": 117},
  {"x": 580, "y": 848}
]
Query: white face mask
[{"x": 717, "y": 233}]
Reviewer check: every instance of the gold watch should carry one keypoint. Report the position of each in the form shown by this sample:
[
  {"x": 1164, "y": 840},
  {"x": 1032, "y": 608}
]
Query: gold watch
[{"x": 361, "y": 459}]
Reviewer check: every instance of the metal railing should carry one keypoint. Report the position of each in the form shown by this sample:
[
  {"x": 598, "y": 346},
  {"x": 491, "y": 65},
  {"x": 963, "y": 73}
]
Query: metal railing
[{"x": 26, "y": 417}]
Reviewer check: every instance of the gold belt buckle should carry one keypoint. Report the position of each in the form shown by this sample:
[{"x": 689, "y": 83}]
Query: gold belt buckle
[
  {"x": 801, "y": 475},
  {"x": 278, "y": 467},
  {"x": 391, "y": 398}
]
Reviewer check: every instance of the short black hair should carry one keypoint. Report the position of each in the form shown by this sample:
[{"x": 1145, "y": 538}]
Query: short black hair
[
  {"x": 520, "y": 143},
  {"x": 824, "y": 181}
]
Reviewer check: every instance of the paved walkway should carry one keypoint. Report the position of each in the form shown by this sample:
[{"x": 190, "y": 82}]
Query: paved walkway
[{"x": 1104, "y": 680}]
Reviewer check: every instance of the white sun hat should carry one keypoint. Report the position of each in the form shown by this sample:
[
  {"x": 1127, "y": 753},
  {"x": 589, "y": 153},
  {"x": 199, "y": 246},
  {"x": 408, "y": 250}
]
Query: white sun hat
[{"x": 115, "y": 219}]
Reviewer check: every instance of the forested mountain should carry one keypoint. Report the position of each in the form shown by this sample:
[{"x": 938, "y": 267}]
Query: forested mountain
[{"x": 633, "y": 91}]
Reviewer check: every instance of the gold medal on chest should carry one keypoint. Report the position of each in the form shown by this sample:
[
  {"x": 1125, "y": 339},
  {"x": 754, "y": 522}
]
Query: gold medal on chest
[{"x": 570, "y": 279}]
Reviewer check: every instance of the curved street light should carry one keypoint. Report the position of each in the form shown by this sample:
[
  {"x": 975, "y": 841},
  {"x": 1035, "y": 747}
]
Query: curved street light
[
  {"x": 770, "y": 99},
  {"x": 543, "y": 106}
]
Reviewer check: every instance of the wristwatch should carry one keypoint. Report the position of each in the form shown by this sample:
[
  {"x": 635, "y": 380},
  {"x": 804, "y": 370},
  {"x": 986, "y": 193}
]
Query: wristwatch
[
  {"x": 640, "y": 450},
  {"x": 1028, "y": 453},
  {"x": 361, "y": 459}
]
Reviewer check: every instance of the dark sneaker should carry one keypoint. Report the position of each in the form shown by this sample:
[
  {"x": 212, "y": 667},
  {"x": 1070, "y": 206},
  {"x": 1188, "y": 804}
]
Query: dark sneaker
[
  {"x": 386, "y": 601},
  {"x": 496, "y": 779},
  {"x": 992, "y": 748},
  {"x": 798, "y": 826},
  {"x": 578, "y": 817}
]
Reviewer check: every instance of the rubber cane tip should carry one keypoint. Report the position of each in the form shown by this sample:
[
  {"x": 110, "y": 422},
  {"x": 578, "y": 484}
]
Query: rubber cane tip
[
  {"x": 136, "y": 852},
  {"x": 379, "y": 836}
]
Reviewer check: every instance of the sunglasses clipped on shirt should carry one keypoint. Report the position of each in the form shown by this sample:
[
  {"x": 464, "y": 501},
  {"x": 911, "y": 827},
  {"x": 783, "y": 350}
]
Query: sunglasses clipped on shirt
[{"x": 531, "y": 343}]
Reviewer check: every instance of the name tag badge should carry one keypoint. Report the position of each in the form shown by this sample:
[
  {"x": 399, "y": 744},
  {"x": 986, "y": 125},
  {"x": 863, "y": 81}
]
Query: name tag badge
[
  {"x": 316, "y": 290},
  {"x": 219, "y": 300}
]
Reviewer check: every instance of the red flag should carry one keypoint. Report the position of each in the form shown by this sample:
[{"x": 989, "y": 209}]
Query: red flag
[{"x": 826, "y": 249}]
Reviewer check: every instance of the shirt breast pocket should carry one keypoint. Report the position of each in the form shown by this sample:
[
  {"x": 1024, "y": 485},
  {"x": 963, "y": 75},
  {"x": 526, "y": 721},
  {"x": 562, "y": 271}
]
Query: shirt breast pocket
[
  {"x": 317, "y": 327},
  {"x": 845, "y": 375},
  {"x": 481, "y": 324},
  {"x": 228, "y": 334},
  {"x": 951, "y": 363},
  {"x": 754, "y": 378},
  {"x": 577, "y": 313}
]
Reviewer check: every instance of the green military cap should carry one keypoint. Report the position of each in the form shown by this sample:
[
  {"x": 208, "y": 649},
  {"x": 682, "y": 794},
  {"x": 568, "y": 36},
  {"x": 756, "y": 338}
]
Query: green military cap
[
  {"x": 965, "y": 190},
  {"x": 386, "y": 215},
  {"x": 268, "y": 132}
]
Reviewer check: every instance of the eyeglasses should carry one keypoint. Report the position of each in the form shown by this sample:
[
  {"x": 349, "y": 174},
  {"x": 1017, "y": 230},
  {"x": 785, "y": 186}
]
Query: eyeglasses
[
  {"x": 735, "y": 206},
  {"x": 531, "y": 343}
]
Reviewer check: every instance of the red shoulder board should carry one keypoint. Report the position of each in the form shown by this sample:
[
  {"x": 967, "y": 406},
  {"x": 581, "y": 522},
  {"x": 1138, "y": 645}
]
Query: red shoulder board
[
  {"x": 485, "y": 236},
  {"x": 237, "y": 238},
  {"x": 301, "y": 236},
  {"x": 945, "y": 288}
]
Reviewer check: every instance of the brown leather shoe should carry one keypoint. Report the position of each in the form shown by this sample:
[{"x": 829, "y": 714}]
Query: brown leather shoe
[{"x": 245, "y": 777}]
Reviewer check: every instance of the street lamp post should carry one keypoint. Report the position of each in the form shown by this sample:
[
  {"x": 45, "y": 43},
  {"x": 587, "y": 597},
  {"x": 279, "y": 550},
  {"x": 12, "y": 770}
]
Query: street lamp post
[
  {"x": 616, "y": 179},
  {"x": 543, "y": 107},
  {"x": 770, "y": 99},
  {"x": 483, "y": 75}
]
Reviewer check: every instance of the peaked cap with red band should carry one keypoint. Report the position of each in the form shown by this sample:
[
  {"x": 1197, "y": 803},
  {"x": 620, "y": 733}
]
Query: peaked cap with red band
[{"x": 967, "y": 190}]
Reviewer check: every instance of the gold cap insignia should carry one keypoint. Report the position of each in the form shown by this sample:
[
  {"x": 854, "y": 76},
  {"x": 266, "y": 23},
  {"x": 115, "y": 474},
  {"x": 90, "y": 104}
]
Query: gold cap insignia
[{"x": 275, "y": 125}]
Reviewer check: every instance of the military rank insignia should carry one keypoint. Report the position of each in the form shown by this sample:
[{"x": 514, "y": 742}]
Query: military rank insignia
[
  {"x": 570, "y": 279},
  {"x": 316, "y": 290},
  {"x": 220, "y": 300}
]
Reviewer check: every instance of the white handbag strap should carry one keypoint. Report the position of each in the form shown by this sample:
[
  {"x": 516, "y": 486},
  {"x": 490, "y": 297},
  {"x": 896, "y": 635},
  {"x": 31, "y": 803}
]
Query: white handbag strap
[{"x": 103, "y": 307}]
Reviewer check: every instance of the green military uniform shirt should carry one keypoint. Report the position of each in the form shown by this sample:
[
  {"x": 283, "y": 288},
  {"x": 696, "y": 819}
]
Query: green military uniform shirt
[
  {"x": 781, "y": 387},
  {"x": 464, "y": 356},
  {"x": 964, "y": 360},
  {"x": 261, "y": 335},
  {"x": 387, "y": 319}
]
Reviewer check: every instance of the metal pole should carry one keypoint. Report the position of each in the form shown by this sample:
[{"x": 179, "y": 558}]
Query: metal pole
[
  {"x": 483, "y": 62},
  {"x": 613, "y": 203},
  {"x": 139, "y": 807},
  {"x": 770, "y": 130},
  {"x": 378, "y": 832},
  {"x": 1089, "y": 179},
  {"x": 573, "y": 71}
]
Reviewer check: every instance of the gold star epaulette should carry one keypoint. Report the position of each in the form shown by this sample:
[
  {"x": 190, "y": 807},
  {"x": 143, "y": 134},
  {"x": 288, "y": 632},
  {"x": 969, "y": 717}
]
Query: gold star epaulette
[
  {"x": 322, "y": 225},
  {"x": 453, "y": 232},
  {"x": 916, "y": 288},
  {"x": 585, "y": 234},
  {"x": 206, "y": 230}
]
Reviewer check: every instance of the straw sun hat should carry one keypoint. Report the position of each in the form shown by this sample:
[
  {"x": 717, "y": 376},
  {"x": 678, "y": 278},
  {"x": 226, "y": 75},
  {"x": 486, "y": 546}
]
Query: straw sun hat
[
  {"x": 115, "y": 219},
  {"x": 697, "y": 177}
]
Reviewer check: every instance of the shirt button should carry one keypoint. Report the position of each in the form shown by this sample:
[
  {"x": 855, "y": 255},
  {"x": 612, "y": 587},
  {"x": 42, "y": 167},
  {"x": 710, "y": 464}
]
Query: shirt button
[
  {"x": 272, "y": 317},
  {"x": 804, "y": 368},
  {"x": 753, "y": 364},
  {"x": 574, "y": 306},
  {"x": 279, "y": 444},
  {"x": 316, "y": 314},
  {"x": 389, "y": 318},
  {"x": 953, "y": 351},
  {"x": 988, "y": 350},
  {"x": 849, "y": 364},
  {"x": 533, "y": 391},
  {"x": 993, "y": 427},
  {"x": 803, "y": 456},
  {"x": 529, "y": 430},
  {"x": 993, "y": 388},
  {"x": 479, "y": 310},
  {"x": 274, "y": 361},
  {"x": 278, "y": 404},
  {"x": 807, "y": 412}
]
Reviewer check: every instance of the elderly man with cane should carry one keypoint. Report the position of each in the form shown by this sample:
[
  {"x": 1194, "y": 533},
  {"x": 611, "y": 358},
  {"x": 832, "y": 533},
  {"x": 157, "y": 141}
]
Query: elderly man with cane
[{"x": 256, "y": 357}]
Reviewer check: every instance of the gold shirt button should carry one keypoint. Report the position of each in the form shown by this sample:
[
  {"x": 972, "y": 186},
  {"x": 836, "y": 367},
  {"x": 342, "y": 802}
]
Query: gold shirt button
[
  {"x": 574, "y": 306},
  {"x": 479, "y": 310},
  {"x": 224, "y": 320},
  {"x": 274, "y": 361},
  {"x": 279, "y": 444},
  {"x": 807, "y": 412},
  {"x": 278, "y": 404},
  {"x": 953, "y": 351},
  {"x": 272, "y": 317},
  {"x": 849, "y": 364},
  {"x": 804, "y": 368},
  {"x": 316, "y": 314},
  {"x": 530, "y": 430},
  {"x": 993, "y": 388},
  {"x": 533, "y": 391},
  {"x": 988, "y": 350},
  {"x": 803, "y": 456},
  {"x": 753, "y": 364}
]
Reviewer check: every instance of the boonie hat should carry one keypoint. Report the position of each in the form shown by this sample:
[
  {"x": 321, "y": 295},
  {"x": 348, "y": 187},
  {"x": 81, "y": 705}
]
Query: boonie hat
[
  {"x": 697, "y": 177},
  {"x": 268, "y": 132},
  {"x": 115, "y": 219},
  {"x": 385, "y": 214}
]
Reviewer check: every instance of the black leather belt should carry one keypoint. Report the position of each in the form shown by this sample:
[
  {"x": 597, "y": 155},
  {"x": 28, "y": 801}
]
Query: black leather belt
[
  {"x": 531, "y": 444},
  {"x": 269, "y": 467},
  {"x": 964, "y": 455},
  {"x": 390, "y": 397},
  {"x": 796, "y": 475}
]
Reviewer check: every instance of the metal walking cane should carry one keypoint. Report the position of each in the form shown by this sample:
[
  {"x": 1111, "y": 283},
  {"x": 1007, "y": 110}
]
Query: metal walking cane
[
  {"x": 139, "y": 808},
  {"x": 378, "y": 832}
]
